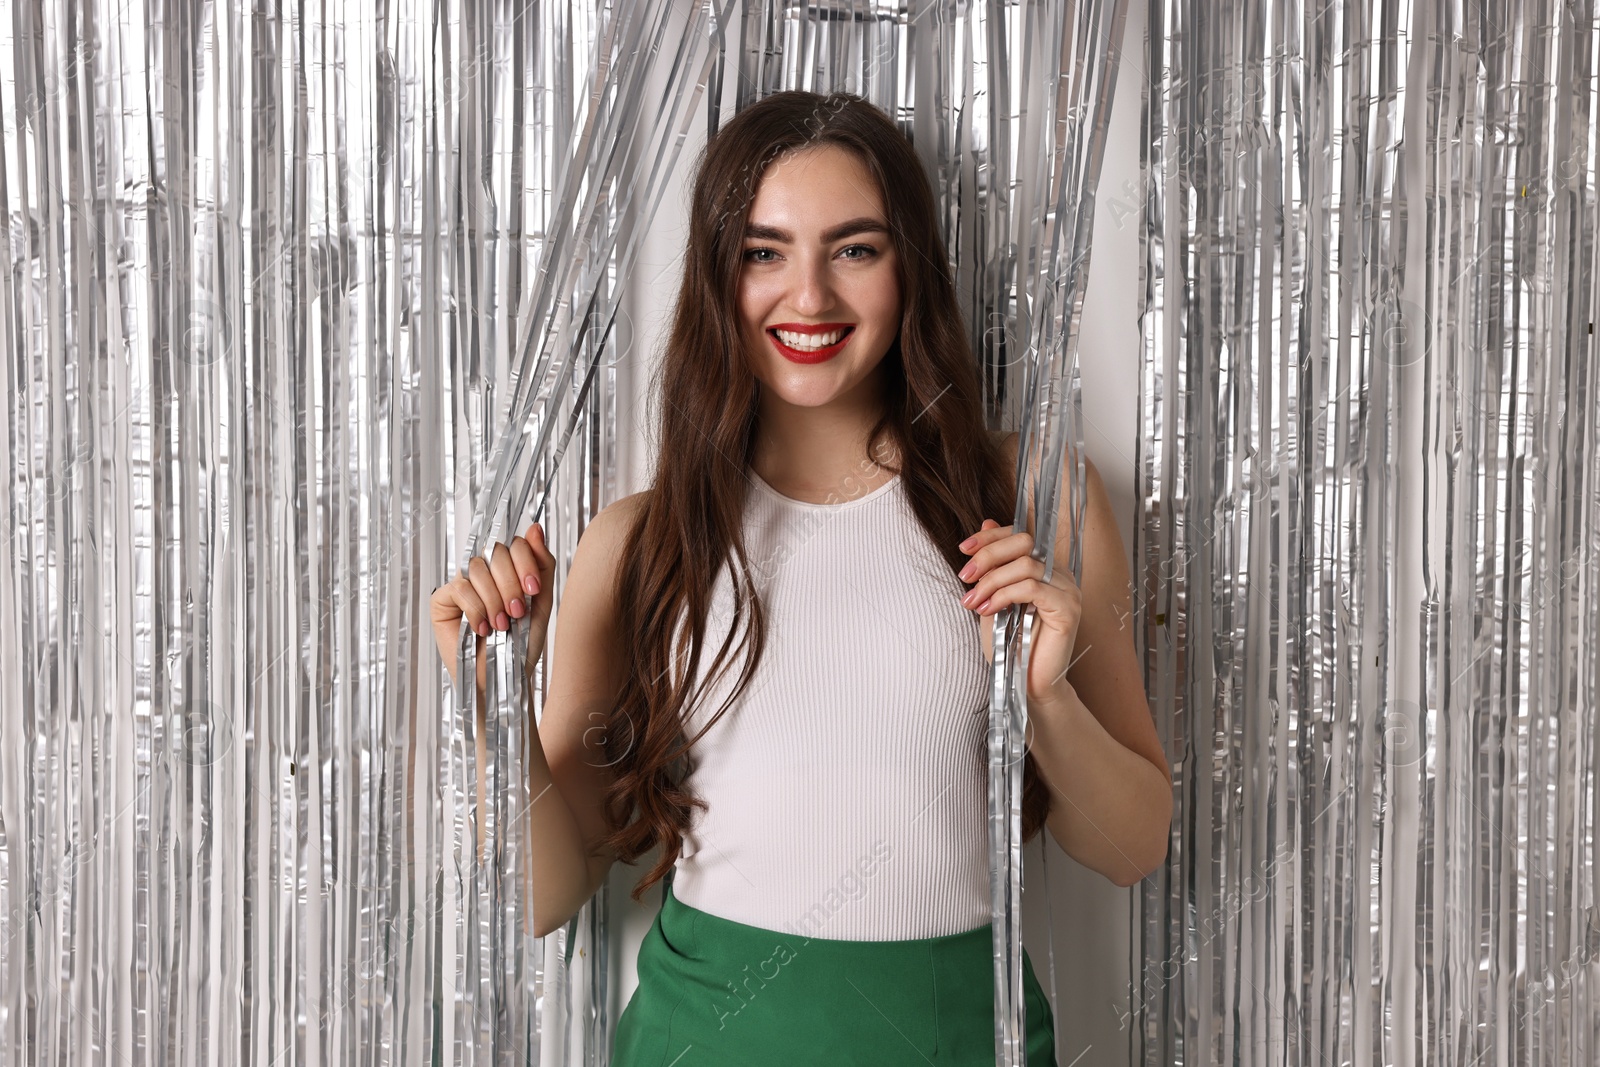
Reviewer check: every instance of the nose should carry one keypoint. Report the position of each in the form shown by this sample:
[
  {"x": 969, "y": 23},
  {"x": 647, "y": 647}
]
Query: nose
[{"x": 813, "y": 286}]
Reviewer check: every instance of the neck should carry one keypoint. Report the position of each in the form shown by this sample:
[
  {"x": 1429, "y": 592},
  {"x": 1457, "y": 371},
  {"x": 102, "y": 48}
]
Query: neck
[{"x": 817, "y": 448}]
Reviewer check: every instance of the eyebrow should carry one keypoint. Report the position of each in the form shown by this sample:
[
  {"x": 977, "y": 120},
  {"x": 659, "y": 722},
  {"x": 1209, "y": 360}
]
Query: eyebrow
[{"x": 757, "y": 232}]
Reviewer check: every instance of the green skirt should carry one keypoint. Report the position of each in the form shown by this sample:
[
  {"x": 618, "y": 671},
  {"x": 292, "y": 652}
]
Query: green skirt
[{"x": 713, "y": 991}]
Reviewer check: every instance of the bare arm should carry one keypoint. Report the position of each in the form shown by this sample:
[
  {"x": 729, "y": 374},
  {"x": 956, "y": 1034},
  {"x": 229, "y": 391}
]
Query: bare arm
[
  {"x": 1099, "y": 753},
  {"x": 1107, "y": 771},
  {"x": 586, "y": 675},
  {"x": 567, "y": 775}
]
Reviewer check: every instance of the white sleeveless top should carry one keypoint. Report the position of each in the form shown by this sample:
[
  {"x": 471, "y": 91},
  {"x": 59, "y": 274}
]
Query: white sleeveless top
[{"x": 848, "y": 784}]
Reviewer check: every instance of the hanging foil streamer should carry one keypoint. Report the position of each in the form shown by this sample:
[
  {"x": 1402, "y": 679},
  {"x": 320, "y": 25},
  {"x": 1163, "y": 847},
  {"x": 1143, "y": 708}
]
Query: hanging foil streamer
[
  {"x": 650, "y": 73},
  {"x": 1052, "y": 278},
  {"x": 1370, "y": 540},
  {"x": 301, "y": 312},
  {"x": 265, "y": 277}
]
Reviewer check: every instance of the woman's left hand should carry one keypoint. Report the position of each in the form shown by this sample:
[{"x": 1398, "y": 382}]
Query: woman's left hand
[{"x": 1006, "y": 573}]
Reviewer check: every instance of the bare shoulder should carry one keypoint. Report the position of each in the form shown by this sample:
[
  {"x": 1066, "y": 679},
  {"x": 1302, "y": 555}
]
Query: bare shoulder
[
  {"x": 585, "y": 654},
  {"x": 593, "y": 576},
  {"x": 611, "y": 525},
  {"x": 1009, "y": 440},
  {"x": 586, "y": 617}
]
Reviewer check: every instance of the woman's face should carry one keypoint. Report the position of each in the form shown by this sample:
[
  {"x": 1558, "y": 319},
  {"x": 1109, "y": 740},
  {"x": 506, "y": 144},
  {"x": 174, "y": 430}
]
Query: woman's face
[{"x": 819, "y": 292}]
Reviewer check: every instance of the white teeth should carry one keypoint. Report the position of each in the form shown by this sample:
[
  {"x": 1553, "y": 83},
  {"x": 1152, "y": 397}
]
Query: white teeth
[{"x": 809, "y": 342}]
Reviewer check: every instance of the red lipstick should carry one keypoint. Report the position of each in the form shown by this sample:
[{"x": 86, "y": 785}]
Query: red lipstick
[{"x": 820, "y": 355}]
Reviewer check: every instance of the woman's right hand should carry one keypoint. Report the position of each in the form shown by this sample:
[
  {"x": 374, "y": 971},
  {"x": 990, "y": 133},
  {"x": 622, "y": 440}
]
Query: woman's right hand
[{"x": 513, "y": 581}]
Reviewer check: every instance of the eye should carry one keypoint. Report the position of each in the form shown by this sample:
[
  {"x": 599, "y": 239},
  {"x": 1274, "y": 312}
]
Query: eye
[
  {"x": 867, "y": 251},
  {"x": 752, "y": 253}
]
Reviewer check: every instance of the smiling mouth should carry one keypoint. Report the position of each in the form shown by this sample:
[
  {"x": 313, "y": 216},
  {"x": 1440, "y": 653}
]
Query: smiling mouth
[{"x": 802, "y": 348}]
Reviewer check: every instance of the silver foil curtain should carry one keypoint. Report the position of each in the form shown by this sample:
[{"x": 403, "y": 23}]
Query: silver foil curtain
[
  {"x": 302, "y": 308},
  {"x": 1369, "y": 542},
  {"x": 265, "y": 278}
]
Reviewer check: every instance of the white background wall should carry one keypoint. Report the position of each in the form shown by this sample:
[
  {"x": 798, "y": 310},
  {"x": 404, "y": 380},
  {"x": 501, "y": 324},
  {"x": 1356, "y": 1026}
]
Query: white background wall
[{"x": 1091, "y": 916}]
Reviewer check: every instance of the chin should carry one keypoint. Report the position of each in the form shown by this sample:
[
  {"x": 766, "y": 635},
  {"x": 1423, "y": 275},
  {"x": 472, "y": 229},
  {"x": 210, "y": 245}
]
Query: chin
[{"x": 808, "y": 395}]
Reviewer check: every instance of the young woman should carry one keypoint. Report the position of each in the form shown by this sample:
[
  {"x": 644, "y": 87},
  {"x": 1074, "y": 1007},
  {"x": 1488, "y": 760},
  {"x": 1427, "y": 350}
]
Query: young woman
[{"x": 816, "y": 780}]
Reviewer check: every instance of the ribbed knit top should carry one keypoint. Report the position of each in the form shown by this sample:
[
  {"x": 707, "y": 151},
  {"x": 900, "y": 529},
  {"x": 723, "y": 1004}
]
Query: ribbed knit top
[{"x": 847, "y": 786}]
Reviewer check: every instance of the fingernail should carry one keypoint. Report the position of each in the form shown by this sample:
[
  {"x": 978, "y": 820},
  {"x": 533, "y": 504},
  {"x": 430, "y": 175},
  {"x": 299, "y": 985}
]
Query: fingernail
[
  {"x": 515, "y": 607},
  {"x": 530, "y": 586},
  {"x": 967, "y": 600},
  {"x": 983, "y": 607},
  {"x": 483, "y": 629},
  {"x": 501, "y": 622},
  {"x": 966, "y": 572},
  {"x": 965, "y": 546}
]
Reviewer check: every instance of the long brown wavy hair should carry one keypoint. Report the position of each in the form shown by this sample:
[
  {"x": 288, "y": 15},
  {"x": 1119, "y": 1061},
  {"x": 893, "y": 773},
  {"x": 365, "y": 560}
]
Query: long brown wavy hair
[{"x": 691, "y": 519}]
